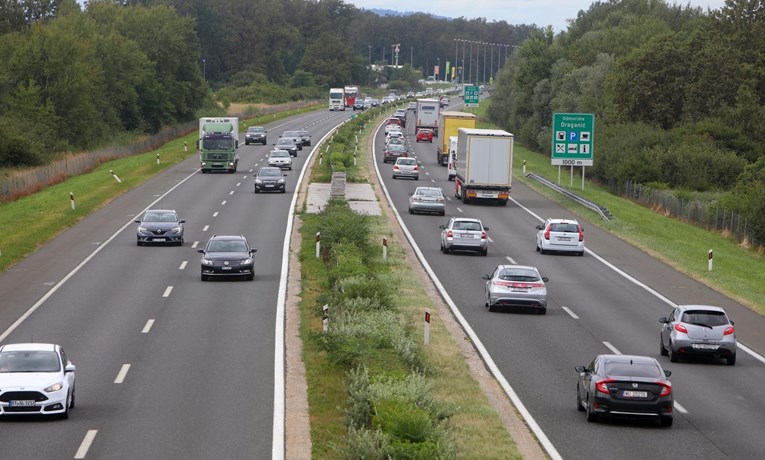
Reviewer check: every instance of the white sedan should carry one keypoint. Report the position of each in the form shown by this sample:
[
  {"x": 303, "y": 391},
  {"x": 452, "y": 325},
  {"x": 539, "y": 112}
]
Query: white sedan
[
  {"x": 35, "y": 378},
  {"x": 280, "y": 159}
]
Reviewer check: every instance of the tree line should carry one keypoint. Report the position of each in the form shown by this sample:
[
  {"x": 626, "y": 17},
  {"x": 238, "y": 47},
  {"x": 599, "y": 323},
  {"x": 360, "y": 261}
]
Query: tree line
[{"x": 677, "y": 93}]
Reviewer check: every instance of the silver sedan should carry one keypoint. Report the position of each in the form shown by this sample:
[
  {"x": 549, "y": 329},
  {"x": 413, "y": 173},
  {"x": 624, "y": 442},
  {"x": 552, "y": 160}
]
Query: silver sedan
[
  {"x": 698, "y": 330},
  {"x": 516, "y": 286},
  {"x": 427, "y": 199}
]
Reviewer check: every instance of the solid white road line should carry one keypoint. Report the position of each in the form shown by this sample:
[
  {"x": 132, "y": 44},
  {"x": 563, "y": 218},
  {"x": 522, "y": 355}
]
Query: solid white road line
[
  {"x": 510, "y": 259},
  {"x": 490, "y": 240},
  {"x": 167, "y": 292},
  {"x": 570, "y": 312},
  {"x": 147, "y": 327},
  {"x": 612, "y": 348},
  {"x": 215, "y": 214},
  {"x": 85, "y": 445},
  {"x": 183, "y": 265},
  {"x": 195, "y": 244},
  {"x": 680, "y": 408},
  {"x": 460, "y": 209},
  {"x": 204, "y": 229},
  {"x": 122, "y": 374}
]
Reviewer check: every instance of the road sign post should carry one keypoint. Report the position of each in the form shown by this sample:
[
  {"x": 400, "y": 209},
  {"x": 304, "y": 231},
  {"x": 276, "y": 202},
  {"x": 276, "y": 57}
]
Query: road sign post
[{"x": 472, "y": 96}]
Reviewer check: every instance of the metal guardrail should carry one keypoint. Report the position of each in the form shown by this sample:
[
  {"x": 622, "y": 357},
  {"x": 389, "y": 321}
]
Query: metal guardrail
[{"x": 603, "y": 211}]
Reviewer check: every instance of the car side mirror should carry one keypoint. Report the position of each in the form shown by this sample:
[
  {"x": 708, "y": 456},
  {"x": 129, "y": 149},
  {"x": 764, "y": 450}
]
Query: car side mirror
[
  {"x": 411, "y": 194},
  {"x": 663, "y": 320},
  {"x": 667, "y": 373},
  {"x": 201, "y": 251},
  {"x": 182, "y": 221},
  {"x": 442, "y": 227},
  {"x": 486, "y": 277},
  {"x": 69, "y": 368},
  {"x": 284, "y": 174},
  {"x": 486, "y": 229},
  {"x": 253, "y": 250},
  {"x": 137, "y": 221},
  {"x": 539, "y": 227},
  {"x": 545, "y": 279},
  {"x": 580, "y": 369},
  {"x": 732, "y": 323}
]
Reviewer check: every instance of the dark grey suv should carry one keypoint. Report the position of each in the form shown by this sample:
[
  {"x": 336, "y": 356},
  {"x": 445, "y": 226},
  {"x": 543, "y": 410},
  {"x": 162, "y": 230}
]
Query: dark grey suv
[
  {"x": 160, "y": 226},
  {"x": 227, "y": 255},
  {"x": 255, "y": 134}
]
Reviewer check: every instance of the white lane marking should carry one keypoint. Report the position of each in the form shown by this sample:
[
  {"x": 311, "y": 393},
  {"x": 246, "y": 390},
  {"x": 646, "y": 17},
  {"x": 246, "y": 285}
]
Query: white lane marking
[
  {"x": 427, "y": 173},
  {"x": 680, "y": 408},
  {"x": 122, "y": 373},
  {"x": 196, "y": 243},
  {"x": 183, "y": 265},
  {"x": 612, "y": 348},
  {"x": 459, "y": 209},
  {"x": 432, "y": 180},
  {"x": 205, "y": 228},
  {"x": 639, "y": 284},
  {"x": 147, "y": 327},
  {"x": 167, "y": 292},
  {"x": 87, "y": 259},
  {"x": 231, "y": 192},
  {"x": 250, "y": 170},
  {"x": 570, "y": 312},
  {"x": 215, "y": 214},
  {"x": 245, "y": 177},
  {"x": 238, "y": 184},
  {"x": 490, "y": 240},
  {"x": 449, "y": 198},
  {"x": 85, "y": 445},
  {"x": 511, "y": 260},
  {"x": 223, "y": 203},
  {"x": 488, "y": 360}
]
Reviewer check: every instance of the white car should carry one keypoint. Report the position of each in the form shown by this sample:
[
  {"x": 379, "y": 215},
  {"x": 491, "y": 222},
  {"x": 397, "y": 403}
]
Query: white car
[
  {"x": 561, "y": 235},
  {"x": 280, "y": 159},
  {"x": 394, "y": 135},
  {"x": 35, "y": 378},
  {"x": 392, "y": 127}
]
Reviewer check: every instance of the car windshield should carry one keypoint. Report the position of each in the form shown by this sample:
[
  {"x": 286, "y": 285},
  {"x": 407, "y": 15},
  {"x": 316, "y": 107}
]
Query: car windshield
[
  {"x": 428, "y": 192},
  {"x": 160, "y": 217},
  {"x": 227, "y": 246},
  {"x": 517, "y": 274},
  {"x": 564, "y": 227},
  {"x": 630, "y": 369},
  {"x": 29, "y": 361},
  {"x": 407, "y": 162},
  {"x": 280, "y": 154},
  {"x": 397, "y": 148},
  {"x": 467, "y": 225},
  {"x": 286, "y": 142},
  {"x": 217, "y": 144},
  {"x": 705, "y": 318},
  {"x": 269, "y": 173},
  {"x": 256, "y": 129},
  {"x": 291, "y": 134}
]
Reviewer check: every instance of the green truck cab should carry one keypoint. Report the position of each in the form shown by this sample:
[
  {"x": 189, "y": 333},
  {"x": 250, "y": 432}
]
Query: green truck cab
[{"x": 218, "y": 143}]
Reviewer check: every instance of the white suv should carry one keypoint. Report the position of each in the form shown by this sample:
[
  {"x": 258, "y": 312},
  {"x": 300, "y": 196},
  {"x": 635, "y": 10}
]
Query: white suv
[{"x": 563, "y": 235}]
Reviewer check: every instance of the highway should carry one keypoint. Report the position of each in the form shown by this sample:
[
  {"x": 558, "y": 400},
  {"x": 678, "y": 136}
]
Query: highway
[
  {"x": 608, "y": 301},
  {"x": 168, "y": 366}
]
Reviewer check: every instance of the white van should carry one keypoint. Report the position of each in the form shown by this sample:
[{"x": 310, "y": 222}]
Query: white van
[{"x": 452, "y": 165}]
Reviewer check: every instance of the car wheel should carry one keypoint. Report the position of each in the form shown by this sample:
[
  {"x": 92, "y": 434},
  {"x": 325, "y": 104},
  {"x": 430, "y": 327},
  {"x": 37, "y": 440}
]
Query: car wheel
[
  {"x": 138, "y": 243},
  {"x": 416, "y": 177},
  {"x": 491, "y": 306},
  {"x": 204, "y": 277},
  {"x": 581, "y": 253},
  {"x": 411, "y": 211},
  {"x": 542, "y": 250},
  {"x": 591, "y": 415},
  {"x": 484, "y": 252},
  {"x": 662, "y": 350},
  {"x": 250, "y": 277},
  {"x": 73, "y": 398},
  {"x": 67, "y": 405},
  {"x": 442, "y": 213},
  {"x": 180, "y": 242},
  {"x": 246, "y": 143},
  {"x": 731, "y": 360},
  {"x": 284, "y": 190},
  {"x": 672, "y": 353},
  {"x": 667, "y": 421},
  {"x": 393, "y": 177},
  {"x": 579, "y": 405},
  {"x": 543, "y": 311}
]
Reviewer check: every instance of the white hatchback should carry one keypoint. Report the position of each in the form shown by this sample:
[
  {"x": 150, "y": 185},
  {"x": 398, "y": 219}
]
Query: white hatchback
[
  {"x": 35, "y": 378},
  {"x": 561, "y": 235}
]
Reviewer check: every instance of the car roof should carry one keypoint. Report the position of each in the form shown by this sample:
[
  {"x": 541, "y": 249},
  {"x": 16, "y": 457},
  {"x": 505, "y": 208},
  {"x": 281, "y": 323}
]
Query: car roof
[
  {"x": 525, "y": 267},
  {"x": 255, "y": 127},
  {"x": 228, "y": 237},
  {"x": 701, "y": 307},
  {"x": 269, "y": 168},
  {"x": 28, "y": 347},
  {"x": 612, "y": 358},
  {"x": 429, "y": 188},
  {"x": 279, "y": 151},
  {"x": 466, "y": 219},
  {"x": 160, "y": 210},
  {"x": 562, "y": 221}
]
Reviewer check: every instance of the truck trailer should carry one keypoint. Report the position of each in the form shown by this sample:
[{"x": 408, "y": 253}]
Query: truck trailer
[
  {"x": 427, "y": 112},
  {"x": 484, "y": 168},
  {"x": 218, "y": 143},
  {"x": 448, "y": 124}
]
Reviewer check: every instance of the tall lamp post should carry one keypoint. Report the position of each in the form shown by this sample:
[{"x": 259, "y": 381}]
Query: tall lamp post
[
  {"x": 204, "y": 69},
  {"x": 438, "y": 69}
]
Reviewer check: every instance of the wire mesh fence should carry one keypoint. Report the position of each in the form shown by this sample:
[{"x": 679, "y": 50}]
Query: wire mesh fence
[{"x": 695, "y": 212}]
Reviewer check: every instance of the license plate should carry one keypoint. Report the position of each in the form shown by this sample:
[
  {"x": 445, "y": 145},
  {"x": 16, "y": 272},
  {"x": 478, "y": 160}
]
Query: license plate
[
  {"x": 634, "y": 394},
  {"x": 225, "y": 268},
  {"x": 217, "y": 164},
  {"x": 564, "y": 238},
  {"x": 487, "y": 194},
  {"x": 21, "y": 402},
  {"x": 269, "y": 185},
  {"x": 704, "y": 346},
  {"x": 466, "y": 235},
  {"x": 159, "y": 240}
]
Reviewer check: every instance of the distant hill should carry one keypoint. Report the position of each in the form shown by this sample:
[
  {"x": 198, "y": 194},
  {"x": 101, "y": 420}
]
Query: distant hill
[{"x": 384, "y": 12}]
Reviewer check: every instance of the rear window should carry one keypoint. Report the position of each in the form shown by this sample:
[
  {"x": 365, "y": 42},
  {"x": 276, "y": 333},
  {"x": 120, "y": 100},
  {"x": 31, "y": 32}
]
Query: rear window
[
  {"x": 407, "y": 161},
  {"x": 473, "y": 226},
  {"x": 571, "y": 228},
  {"x": 428, "y": 107},
  {"x": 429, "y": 192},
  {"x": 625, "y": 369},
  {"x": 706, "y": 318},
  {"x": 515, "y": 274}
]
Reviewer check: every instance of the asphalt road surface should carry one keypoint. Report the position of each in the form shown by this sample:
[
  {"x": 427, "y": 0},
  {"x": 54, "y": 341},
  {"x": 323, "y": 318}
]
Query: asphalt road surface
[{"x": 168, "y": 366}]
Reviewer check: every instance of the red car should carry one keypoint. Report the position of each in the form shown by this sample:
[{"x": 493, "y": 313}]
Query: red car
[{"x": 424, "y": 135}]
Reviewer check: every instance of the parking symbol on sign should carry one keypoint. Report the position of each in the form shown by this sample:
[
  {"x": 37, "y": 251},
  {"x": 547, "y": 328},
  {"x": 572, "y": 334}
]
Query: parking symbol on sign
[
  {"x": 573, "y": 136},
  {"x": 560, "y": 135}
]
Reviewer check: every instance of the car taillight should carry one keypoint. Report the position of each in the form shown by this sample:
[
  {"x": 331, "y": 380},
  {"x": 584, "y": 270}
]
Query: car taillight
[
  {"x": 666, "y": 389},
  {"x": 547, "y": 233},
  {"x": 729, "y": 330},
  {"x": 602, "y": 386},
  {"x": 681, "y": 328},
  {"x": 416, "y": 168},
  {"x": 395, "y": 166},
  {"x": 581, "y": 233},
  {"x": 449, "y": 234},
  {"x": 440, "y": 200},
  {"x": 483, "y": 235}
]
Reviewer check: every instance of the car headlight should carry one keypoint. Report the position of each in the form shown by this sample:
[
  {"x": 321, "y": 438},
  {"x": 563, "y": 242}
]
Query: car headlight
[
  {"x": 54, "y": 387},
  {"x": 258, "y": 181},
  {"x": 207, "y": 262},
  {"x": 176, "y": 229},
  {"x": 247, "y": 261},
  {"x": 142, "y": 230},
  {"x": 281, "y": 181}
]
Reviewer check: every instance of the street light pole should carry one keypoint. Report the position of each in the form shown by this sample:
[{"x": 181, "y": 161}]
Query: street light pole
[
  {"x": 204, "y": 69},
  {"x": 484, "y": 62},
  {"x": 438, "y": 68}
]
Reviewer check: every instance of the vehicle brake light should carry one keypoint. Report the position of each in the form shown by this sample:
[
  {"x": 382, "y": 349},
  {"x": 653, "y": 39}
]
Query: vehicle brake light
[
  {"x": 666, "y": 389},
  {"x": 440, "y": 200},
  {"x": 581, "y": 233},
  {"x": 602, "y": 386},
  {"x": 449, "y": 234},
  {"x": 395, "y": 166},
  {"x": 681, "y": 328},
  {"x": 416, "y": 168},
  {"x": 483, "y": 235},
  {"x": 729, "y": 330},
  {"x": 547, "y": 234}
]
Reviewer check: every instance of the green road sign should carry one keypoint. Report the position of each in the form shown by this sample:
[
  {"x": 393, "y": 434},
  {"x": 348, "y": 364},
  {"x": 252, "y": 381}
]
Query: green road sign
[
  {"x": 472, "y": 94},
  {"x": 573, "y": 136}
]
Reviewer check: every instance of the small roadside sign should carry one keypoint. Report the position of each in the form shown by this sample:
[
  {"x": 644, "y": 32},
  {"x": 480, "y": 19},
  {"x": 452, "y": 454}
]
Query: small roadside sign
[
  {"x": 472, "y": 96},
  {"x": 572, "y": 139}
]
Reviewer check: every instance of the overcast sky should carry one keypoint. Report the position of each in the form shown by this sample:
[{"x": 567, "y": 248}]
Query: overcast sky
[{"x": 539, "y": 12}]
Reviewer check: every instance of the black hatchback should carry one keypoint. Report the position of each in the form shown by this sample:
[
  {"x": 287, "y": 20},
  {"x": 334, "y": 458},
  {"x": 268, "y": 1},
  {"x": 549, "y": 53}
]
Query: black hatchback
[
  {"x": 227, "y": 255},
  {"x": 625, "y": 386}
]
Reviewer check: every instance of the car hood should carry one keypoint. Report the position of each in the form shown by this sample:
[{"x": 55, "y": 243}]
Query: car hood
[
  {"x": 160, "y": 225},
  {"x": 226, "y": 255},
  {"x": 28, "y": 380},
  {"x": 269, "y": 178}
]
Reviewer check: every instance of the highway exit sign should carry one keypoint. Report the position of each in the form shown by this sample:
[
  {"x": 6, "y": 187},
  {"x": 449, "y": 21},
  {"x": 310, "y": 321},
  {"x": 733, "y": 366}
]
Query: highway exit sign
[
  {"x": 472, "y": 95},
  {"x": 573, "y": 136}
]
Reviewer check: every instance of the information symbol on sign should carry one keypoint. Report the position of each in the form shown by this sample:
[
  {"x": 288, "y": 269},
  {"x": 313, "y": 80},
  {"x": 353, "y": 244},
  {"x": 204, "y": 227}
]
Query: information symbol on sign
[
  {"x": 584, "y": 148},
  {"x": 573, "y": 148},
  {"x": 560, "y": 148},
  {"x": 584, "y": 136},
  {"x": 560, "y": 135},
  {"x": 573, "y": 136}
]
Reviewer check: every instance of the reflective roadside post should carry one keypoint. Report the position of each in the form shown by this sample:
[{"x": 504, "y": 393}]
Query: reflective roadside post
[
  {"x": 114, "y": 175},
  {"x": 427, "y": 327},
  {"x": 385, "y": 249},
  {"x": 325, "y": 318},
  {"x": 71, "y": 199},
  {"x": 318, "y": 244},
  {"x": 710, "y": 258}
]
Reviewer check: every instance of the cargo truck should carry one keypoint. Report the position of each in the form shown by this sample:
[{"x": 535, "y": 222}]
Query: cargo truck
[
  {"x": 448, "y": 124},
  {"x": 336, "y": 99},
  {"x": 452, "y": 167},
  {"x": 218, "y": 143},
  {"x": 427, "y": 115},
  {"x": 484, "y": 169}
]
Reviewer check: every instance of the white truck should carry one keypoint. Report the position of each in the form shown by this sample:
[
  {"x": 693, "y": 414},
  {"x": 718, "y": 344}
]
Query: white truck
[
  {"x": 484, "y": 167},
  {"x": 336, "y": 99},
  {"x": 218, "y": 143},
  {"x": 427, "y": 113},
  {"x": 452, "y": 155}
]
